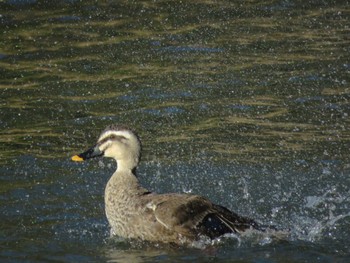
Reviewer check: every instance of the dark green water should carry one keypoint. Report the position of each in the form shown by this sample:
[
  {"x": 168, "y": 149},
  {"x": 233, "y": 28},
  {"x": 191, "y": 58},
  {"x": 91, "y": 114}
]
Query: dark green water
[{"x": 245, "y": 102}]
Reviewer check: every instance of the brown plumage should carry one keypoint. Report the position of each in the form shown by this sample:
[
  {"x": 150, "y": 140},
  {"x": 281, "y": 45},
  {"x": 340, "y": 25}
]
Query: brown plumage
[{"x": 136, "y": 213}]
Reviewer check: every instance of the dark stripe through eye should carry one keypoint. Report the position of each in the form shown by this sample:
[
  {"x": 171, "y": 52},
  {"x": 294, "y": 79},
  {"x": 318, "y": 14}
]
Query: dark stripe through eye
[{"x": 112, "y": 137}]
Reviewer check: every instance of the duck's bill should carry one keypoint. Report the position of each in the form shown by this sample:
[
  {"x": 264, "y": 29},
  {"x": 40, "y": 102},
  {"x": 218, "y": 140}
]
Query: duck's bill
[{"x": 90, "y": 153}]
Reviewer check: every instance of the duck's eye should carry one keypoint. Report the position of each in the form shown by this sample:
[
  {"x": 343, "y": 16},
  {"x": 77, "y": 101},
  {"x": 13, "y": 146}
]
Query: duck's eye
[{"x": 112, "y": 137}]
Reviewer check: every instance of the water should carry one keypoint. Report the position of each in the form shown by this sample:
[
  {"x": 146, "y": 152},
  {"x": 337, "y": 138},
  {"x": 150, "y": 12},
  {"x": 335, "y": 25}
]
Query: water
[{"x": 245, "y": 103}]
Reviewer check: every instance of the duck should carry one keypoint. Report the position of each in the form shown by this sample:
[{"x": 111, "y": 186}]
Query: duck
[{"x": 135, "y": 213}]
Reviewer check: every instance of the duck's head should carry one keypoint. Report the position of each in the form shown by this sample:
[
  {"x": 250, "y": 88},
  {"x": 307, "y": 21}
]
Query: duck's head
[{"x": 117, "y": 142}]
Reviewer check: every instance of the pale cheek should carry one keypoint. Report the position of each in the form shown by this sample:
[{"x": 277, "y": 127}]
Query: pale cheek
[
  {"x": 106, "y": 149},
  {"x": 114, "y": 151}
]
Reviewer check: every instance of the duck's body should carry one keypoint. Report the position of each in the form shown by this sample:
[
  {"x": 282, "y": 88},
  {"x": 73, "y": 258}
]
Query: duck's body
[{"x": 134, "y": 212}]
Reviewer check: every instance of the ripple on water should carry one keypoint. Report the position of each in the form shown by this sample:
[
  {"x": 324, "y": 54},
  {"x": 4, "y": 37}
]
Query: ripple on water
[
  {"x": 21, "y": 2},
  {"x": 66, "y": 19},
  {"x": 173, "y": 110},
  {"x": 305, "y": 79},
  {"x": 190, "y": 49}
]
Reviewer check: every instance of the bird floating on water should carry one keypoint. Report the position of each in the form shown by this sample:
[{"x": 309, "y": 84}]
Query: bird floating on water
[{"x": 136, "y": 213}]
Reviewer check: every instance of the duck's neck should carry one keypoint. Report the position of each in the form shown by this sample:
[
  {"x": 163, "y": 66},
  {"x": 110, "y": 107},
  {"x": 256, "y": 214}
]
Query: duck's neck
[
  {"x": 129, "y": 163},
  {"x": 124, "y": 180},
  {"x": 125, "y": 175}
]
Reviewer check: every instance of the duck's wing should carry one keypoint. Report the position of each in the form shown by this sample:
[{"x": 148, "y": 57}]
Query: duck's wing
[
  {"x": 196, "y": 215},
  {"x": 222, "y": 221}
]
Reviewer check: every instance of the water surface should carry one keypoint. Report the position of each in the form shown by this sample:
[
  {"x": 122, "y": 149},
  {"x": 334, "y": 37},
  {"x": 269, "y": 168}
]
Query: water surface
[{"x": 246, "y": 103}]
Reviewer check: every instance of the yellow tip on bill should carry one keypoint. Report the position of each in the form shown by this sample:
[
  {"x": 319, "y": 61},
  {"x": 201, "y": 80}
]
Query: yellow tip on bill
[{"x": 76, "y": 158}]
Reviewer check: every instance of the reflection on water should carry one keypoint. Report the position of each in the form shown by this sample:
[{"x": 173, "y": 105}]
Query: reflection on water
[{"x": 251, "y": 99}]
